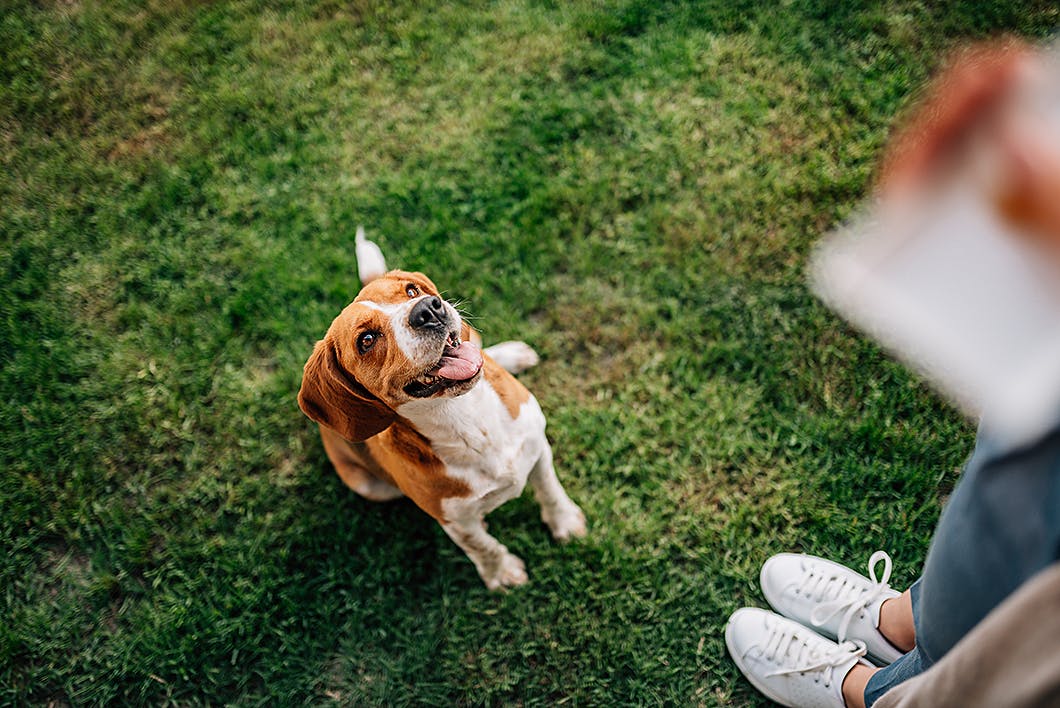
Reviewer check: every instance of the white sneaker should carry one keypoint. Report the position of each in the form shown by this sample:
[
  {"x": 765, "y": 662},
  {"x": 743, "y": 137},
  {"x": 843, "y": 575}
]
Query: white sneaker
[
  {"x": 789, "y": 663},
  {"x": 831, "y": 598}
]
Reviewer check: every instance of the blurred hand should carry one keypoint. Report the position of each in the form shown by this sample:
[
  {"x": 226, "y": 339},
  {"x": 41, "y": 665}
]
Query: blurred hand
[{"x": 992, "y": 114}]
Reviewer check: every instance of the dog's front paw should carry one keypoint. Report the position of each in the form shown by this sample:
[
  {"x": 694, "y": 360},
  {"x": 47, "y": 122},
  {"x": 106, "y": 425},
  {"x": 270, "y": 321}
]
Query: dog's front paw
[
  {"x": 565, "y": 522},
  {"x": 514, "y": 357},
  {"x": 510, "y": 572}
]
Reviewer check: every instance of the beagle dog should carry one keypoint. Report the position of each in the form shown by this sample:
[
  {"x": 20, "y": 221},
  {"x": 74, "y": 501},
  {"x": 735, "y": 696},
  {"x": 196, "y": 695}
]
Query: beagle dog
[{"x": 409, "y": 405}]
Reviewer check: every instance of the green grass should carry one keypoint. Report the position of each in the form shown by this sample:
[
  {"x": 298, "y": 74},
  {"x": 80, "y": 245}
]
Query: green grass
[{"x": 630, "y": 186}]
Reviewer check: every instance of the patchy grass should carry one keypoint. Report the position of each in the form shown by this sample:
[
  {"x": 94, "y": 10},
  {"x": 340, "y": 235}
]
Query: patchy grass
[{"x": 630, "y": 186}]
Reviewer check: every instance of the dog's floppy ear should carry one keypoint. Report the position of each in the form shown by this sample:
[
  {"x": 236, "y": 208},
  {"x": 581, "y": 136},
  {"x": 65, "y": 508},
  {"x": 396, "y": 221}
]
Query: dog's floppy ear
[{"x": 332, "y": 397}]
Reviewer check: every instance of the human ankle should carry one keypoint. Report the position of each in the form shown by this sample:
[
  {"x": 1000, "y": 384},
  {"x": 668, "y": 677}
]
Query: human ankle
[
  {"x": 896, "y": 622},
  {"x": 854, "y": 685}
]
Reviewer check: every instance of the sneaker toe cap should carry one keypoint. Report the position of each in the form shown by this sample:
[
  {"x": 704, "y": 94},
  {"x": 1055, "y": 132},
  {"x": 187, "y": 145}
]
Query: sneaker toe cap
[
  {"x": 745, "y": 628},
  {"x": 778, "y": 575}
]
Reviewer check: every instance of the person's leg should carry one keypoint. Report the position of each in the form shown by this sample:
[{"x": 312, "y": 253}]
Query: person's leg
[
  {"x": 896, "y": 621},
  {"x": 899, "y": 628},
  {"x": 1005, "y": 506},
  {"x": 1011, "y": 658},
  {"x": 897, "y": 625},
  {"x": 903, "y": 611},
  {"x": 882, "y": 680},
  {"x": 1000, "y": 526},
  {"x": 854, "y": 685}
]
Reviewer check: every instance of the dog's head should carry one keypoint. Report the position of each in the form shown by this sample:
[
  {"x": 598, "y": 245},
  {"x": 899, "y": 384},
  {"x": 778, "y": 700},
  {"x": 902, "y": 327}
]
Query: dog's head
[{"x": 396, "y": 342}]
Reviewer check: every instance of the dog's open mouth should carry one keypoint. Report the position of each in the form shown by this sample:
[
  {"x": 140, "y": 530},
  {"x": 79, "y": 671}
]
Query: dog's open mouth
[{"x": 460, "y": 363}]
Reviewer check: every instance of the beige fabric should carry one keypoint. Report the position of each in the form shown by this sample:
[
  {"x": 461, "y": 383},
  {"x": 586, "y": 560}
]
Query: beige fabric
[{"x": 1010, "y": 660}]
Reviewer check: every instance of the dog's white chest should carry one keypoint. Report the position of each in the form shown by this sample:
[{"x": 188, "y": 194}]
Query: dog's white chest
[{"x": 479, "y": 442}]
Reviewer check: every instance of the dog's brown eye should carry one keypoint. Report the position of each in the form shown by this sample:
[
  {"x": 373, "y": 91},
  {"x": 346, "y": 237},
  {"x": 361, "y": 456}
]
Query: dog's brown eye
[
  {"x": 366, "y": 341},
  {"x": 411, "y": 290}
]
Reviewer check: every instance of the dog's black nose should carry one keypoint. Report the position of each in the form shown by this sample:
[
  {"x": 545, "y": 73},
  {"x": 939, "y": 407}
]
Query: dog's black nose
[{"x": 428, "y": 313}]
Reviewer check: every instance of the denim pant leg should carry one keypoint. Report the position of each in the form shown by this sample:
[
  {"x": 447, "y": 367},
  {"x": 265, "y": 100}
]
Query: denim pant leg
[
  {"x": 1000, "y": 526},
  {"x": 907, "y": 666}
]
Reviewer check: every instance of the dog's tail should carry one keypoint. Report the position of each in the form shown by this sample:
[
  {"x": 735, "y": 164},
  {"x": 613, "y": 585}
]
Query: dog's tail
[{"x": 370, "y": 261}]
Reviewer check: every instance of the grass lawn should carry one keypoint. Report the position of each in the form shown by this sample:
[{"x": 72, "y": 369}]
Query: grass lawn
[{"x": 630, "y": 186}]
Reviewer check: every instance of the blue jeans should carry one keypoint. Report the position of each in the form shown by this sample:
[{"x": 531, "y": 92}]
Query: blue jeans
[{"x": 1000, "y": 527}]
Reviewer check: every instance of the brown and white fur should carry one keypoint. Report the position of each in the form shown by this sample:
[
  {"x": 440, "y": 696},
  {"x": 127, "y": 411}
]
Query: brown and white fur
[{"x": 408, "y": 405}]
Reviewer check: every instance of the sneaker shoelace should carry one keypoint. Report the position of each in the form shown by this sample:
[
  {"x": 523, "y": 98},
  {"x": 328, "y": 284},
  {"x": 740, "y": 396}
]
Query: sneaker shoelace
[
  {"x": 791, "y": 649},
  {"x": 845, "y": 597}
]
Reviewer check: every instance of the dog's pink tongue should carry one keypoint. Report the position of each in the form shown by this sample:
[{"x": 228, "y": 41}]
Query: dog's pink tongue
[{"x": 460, "y": 363}]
